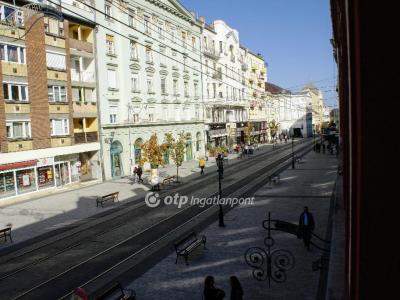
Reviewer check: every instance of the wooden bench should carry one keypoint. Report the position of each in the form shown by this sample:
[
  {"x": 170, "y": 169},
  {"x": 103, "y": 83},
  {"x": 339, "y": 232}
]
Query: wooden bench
[
  {"x": 6, "y": 232},
  {"x": 116, "y": 291},
  {"x": 102, "y": 199},
  {"x": 188, "y": 244},
  {"x": 168, "y": 180}
]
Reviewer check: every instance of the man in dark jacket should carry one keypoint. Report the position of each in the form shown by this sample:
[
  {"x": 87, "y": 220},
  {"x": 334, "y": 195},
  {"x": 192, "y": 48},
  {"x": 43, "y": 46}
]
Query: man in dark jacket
[{"x": 306, "y": 226}]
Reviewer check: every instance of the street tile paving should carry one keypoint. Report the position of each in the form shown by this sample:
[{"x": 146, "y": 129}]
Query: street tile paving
[{"x": 310, "y": 184}]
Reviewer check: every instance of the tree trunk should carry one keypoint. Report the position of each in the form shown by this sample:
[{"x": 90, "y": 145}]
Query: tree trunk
[{"x": 177, "y": 167}]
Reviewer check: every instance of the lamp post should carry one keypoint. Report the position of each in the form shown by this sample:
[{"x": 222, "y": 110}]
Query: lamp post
[
  {"x": 220, "y": 164},
  {"x": 292, "y": 151}
]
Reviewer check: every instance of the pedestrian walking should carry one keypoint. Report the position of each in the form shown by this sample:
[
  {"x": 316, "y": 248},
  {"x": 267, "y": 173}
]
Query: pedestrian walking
[
  {"x": 236, "y": 289},
  {"x": 133, "y": 173},
  {"x": 306, "y": 227},
  {"x": 323, "y": 147},
  {"x": 139, "y": 173},
  {"x": 210, "y": 291},
  {"x": 286, "y": 139},
  {"x": 202, "y": 164}
]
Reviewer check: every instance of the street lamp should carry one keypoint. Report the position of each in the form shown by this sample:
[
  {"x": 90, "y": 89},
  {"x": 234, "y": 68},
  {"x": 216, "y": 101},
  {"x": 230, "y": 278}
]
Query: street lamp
[
  {"x": 220, "y": 165},
  {"x": 292, "y": 151}
]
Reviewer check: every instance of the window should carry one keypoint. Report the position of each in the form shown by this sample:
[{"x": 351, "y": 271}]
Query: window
[
  {"x": 57, "y": 93},
  {"x": 113, "y": 114},
  {"x": 183, "y": 39},
  {"x": 196, "y": 90},
  {"x": 150, "y": 86},
  {"x": 147, "y": 24},
  {"x": 12, "y": 53},
  {"x": 220, "y": 47},
  {"x": 15, "y": 92},
  {"x": 163, "y": 86},
  {"x": 149, "y": 55},
  {"x": 135, "y": 82},
  {"x": 18, "y": 129},
  {"x": 160, "y": 31},
  {"x": 55, "y": 61},
  {"x": 53, "y": 26},
  {"x": 214, "y": 90},
  {"x": 193, "y": 42},
  {"x": 151, "y": 117},
  {"x": 205, "y": 43},
  {"x": 107, "y": 11},
  {"x": 131, "y": 19},
  {"x": 172, "y": 35},
  {"x": 186, "y": 88},
  {"x": 110, "y": 44},
  {"x": 59, "y": 126},
  {"x": 134, "y": 50},
  {"x": 112, "y": 78},
  {"x": 135, "y": 117},
  {"x": 175, "y": 87}
]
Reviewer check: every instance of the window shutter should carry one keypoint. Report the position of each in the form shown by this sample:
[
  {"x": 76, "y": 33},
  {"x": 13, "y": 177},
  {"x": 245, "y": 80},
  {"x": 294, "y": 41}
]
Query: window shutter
[{"x": 56, "y": 61}]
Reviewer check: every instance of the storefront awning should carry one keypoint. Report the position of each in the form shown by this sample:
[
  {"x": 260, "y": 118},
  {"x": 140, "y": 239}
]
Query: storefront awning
[{"x": 17, "y": 165}]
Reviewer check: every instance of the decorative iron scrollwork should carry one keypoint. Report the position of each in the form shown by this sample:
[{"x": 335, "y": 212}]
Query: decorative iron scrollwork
[{"x": 269, "y": 265}]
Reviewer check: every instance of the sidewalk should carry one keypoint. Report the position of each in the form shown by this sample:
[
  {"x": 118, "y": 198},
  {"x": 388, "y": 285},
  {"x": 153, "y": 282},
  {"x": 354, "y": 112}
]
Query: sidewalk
[
  {"x": 37, "y": 216},
  {"x": 310, "y": 184}
]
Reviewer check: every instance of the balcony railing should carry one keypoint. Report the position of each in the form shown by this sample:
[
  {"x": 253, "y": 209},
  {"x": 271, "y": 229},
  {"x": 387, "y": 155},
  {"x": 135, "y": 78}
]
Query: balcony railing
[
  {"x": 84, "y": 76},
  {"x": 86, "y": 137},
  {"x": 81, "y": 45},
  {"x": 211, "y": 52}
]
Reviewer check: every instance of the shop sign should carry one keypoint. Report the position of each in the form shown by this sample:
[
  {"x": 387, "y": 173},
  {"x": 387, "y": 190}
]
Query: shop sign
[{"x": 45, "y": 161}]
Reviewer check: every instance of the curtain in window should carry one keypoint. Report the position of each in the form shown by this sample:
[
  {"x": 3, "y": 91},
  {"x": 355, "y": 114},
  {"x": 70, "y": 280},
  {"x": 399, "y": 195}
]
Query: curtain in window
[
  {"x": 12, "y": 52},
  {"x": 17, "y": 130}
]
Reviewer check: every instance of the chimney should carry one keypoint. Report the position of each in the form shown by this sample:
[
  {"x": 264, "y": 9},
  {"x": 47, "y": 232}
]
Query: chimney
[{"x": 202, "y": 20}]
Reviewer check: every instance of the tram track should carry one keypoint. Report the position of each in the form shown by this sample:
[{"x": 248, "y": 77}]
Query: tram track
[{"x": 113, "y": 255}]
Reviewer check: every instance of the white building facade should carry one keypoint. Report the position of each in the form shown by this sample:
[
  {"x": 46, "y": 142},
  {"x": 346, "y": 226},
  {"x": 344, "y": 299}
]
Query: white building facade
[
  {"x": 226, "y": 109},
  {"x": 150, "y": 75}
]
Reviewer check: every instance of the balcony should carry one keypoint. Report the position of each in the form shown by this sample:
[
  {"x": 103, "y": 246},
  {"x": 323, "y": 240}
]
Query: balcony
[
  {"x": 84, "y": 109},
  {"x": 81, "y": 45},
  {"x": 86, "y": 137},
  {"x": 84, "y": 76},
  {"x": 210, "y": 52},
  {"x": 217, "y": 75}
]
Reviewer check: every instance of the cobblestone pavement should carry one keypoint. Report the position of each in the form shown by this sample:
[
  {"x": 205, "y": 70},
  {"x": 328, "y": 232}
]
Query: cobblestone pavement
[
  {"x": 40, "y": 215},
  {"x": 310, "y": 184}
]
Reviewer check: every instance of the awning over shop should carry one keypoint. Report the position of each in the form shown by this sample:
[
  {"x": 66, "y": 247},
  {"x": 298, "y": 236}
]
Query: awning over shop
[{"x": 17, "y": 165}]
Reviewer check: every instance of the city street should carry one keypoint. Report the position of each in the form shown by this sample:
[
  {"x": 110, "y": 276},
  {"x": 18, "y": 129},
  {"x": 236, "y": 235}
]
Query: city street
[{"x": 131, "y": 232}]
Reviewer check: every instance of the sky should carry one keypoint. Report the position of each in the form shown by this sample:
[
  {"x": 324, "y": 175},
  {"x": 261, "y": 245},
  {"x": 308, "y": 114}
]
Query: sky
[{"x": 292, "y": 35}]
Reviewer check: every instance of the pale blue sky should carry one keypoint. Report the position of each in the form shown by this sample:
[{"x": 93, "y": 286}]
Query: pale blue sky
[{"x": 293, "y": 36}]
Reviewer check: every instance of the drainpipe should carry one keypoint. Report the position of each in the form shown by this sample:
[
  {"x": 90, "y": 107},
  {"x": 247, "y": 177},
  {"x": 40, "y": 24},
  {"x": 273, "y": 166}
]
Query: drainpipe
[{"x": 103, "y": 175}]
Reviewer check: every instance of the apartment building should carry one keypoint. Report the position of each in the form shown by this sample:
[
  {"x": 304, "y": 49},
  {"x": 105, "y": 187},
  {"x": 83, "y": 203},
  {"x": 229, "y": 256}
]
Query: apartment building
[
  {"x": 226, "y": 107},
  {"x": 48, "y": 107},
  {"x": 255, "y": 76},
  {"x": 150, "y": 74}
]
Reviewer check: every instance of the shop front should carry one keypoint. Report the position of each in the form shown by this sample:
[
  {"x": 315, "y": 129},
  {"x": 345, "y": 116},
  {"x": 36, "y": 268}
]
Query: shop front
[
  {"x": 240, "y": 132},
  {"x": 45, "y": 173},
  {"x": 217, "y": 135}
]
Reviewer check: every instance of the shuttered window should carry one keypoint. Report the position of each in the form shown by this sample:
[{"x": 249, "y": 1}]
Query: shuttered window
[
  {"x": 112, "y": 78},
  {"x": 55, "y": 61}
]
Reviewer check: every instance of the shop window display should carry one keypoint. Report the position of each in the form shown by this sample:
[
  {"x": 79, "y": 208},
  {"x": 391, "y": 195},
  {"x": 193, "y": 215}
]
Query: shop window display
[
  {"x": 26, "y": 181},
  {"x": 45, "y": 177},
  {"x": 7, "y": 185}
]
